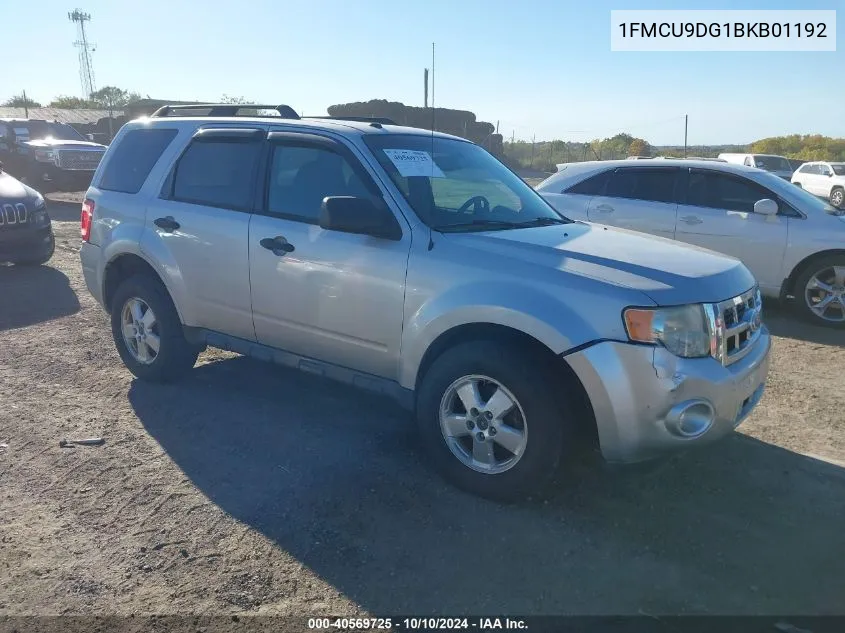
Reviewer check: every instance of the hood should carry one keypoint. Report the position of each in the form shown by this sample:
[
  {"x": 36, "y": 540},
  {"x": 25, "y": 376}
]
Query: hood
[
  {"x": 12, "y": 190},
  {"x": 668, "y": 272},
  {"x": 59, "y": 144}
]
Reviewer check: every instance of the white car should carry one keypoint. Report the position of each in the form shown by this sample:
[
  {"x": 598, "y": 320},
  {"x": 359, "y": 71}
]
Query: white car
[
  {"x": 790, "y": 240},
  {"x": 778, "y": 165},
  {"x": 823, "y": 179}
]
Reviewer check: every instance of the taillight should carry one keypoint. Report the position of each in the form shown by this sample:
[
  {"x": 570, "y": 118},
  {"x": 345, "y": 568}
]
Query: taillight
[{"x": 85, "y": 220}]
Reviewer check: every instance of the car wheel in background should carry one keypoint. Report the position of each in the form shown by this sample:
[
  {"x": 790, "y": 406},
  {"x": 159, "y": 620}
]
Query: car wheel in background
[
  {"x": 490, "y": 420},
  {"x": 147, "y": 331},
  {"x": 820, "y": 291},
  {"x": 837, "y": 197}
]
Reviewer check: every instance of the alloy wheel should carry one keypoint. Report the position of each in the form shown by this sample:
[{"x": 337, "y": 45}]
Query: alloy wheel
[
  {"x": 140, "y": 330},
  {"x": 825, "y": 294}
]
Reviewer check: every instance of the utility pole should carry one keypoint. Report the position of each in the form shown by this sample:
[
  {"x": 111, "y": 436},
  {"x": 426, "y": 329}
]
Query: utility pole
[
  {"x": 533, "y": 139},
  {"x": 25, "y": 106},
  {"x": 86, "y": 67},
  {"x": 425, "y": 89},
  {"x": 686, "y": 121}
]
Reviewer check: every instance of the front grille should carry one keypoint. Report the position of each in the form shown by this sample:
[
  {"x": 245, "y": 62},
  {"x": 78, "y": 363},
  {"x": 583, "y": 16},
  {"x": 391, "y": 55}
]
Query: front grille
[
  {"x": 79, "y": 159},
  {"x": 12, "y": 215},
  {"x": 738, "y": 325}
]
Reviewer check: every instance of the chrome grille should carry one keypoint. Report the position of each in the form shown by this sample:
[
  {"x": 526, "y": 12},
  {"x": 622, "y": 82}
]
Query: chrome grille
[
  {"x": 738, "y": 325},
  {"x": 79, "y": 159}
]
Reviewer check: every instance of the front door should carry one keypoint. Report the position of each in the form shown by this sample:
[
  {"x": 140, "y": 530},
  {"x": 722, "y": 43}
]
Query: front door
[
  {"x": 336, "y": 297},
  {"x": 719, "y": 214}
]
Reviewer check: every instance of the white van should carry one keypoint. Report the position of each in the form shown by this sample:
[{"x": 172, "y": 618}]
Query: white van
[{"x": 778, "y": 165}]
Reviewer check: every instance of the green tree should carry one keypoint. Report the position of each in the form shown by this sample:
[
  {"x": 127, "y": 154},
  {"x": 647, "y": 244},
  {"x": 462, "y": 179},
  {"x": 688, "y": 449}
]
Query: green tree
[
  {"x": 19, "y": 101},
  {"x": 113, "y": 98},
  {"x": 802, "y": 147},
  {"x": 72, "y": 103},
  {"x": 639, "y": 147}
]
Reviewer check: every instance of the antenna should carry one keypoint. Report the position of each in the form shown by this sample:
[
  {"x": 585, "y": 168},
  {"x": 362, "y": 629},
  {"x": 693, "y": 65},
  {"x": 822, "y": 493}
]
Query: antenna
[{"x": 86, "y": 67}]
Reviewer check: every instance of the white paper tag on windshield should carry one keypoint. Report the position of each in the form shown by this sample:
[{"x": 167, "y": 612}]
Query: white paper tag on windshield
[{"x": 412, "y": 162}]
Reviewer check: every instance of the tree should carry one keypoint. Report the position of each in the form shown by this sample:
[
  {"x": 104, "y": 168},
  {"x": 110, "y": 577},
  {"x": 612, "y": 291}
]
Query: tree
[
  {"x": 73, "y": 103},
  {"x": 19, "y": 101},
  {"x": 639, "y": 147},
  {"x": 111, "y": 97}
]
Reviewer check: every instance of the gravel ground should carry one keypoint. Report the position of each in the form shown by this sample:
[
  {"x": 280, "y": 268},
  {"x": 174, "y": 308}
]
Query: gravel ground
[{"x": 248, "y": 488}]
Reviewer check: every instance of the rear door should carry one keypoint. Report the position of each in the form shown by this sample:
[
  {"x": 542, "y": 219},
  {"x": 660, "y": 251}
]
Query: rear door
[
  {"x": 638, "y": 198},
  {"x": 718, "y": 213},
  {"x": 332, "y": 296},
  {"x": 573, "y": 201},
  {"x": 199, "y": 227}
]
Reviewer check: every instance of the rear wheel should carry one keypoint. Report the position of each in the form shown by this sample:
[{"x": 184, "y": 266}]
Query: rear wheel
[
  {"x": 820, "y": 291},
  {"x": 490, "y": 421},
  {"x": 147, "y": 331},
  {"x": 837, "y": 197}
]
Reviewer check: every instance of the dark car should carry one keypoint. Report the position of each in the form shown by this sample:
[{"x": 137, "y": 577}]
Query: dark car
[
  {"x": 48, "y": 155},
  {"x": 26, "y": 233}
]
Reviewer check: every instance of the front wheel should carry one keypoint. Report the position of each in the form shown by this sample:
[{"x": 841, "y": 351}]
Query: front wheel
[
  {"x": 147, "y": 331},
  {"x": 490, "y": 421},
  {"x": 837, "y": 197},
  {"x": 820, "y": 292}
]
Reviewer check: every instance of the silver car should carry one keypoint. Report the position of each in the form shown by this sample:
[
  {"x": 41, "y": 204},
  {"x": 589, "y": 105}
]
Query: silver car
[{"x": 416, "y": 265}]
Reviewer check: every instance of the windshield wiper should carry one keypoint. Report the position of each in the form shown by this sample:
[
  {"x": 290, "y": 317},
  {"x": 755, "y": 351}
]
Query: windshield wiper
[
  {"x": 492, "y": 224},
  {"x": 543, "y": 222}
]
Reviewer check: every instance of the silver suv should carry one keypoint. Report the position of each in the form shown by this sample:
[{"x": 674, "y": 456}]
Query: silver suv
[{"x": 418, "y": 266}]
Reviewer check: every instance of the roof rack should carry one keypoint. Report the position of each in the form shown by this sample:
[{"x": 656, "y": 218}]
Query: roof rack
[
  {"x": 223, "y": 109},
  {"x": 358, "y": 119}
]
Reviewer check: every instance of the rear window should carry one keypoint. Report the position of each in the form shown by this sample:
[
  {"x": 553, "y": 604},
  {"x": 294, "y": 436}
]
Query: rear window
[{"x": 131, "y": 161}]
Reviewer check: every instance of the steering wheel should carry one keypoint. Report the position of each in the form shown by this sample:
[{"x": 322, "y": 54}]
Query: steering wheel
[{"x": 479, "y": 204}]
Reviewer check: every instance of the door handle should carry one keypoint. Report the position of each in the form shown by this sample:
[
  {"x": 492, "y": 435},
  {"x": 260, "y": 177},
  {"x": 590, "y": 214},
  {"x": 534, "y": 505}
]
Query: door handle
[
  {"x": 278, "y": 245},
  {"x": 691, "y": 219},
  {"x": 604, "y": 208},
  {"x": 168, "y": 224}
]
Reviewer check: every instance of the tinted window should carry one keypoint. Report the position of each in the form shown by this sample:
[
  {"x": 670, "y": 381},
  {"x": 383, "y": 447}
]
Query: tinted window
[
  {"x": 131, "y": 161},
  {"x": 301, "y": 176},
  {"x": 839, "y": 170},
  {"x": 720, "y": 191},
  {"x": 217, "y": 173},
  {"x": 655, "y": 185},
  {"x": 592, "y": 186},
  {"x": 805, "y": 169}
]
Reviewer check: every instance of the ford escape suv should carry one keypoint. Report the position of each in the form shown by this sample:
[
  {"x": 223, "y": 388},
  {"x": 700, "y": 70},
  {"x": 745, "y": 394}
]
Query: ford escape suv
[{"x": 418, "y": 266}]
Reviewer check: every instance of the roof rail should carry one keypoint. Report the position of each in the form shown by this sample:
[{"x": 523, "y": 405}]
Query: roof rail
[
  {"x": 223, "y": 109},
  {"x": 359, "y": 119}
]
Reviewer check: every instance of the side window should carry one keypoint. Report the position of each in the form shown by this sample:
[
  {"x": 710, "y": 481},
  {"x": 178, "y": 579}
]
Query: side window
[
  {"x": 217, "y": 172},
  {"x": 302, "y": 175},
  {"x": 805, "y": 169},
  {"x": 131, "y": 161},
  {"x": 592, "y": 186},
  {"x": 824, "y": 170},
  {"x": 654, "y": 185},
  {"x": 721, "y": 191}
]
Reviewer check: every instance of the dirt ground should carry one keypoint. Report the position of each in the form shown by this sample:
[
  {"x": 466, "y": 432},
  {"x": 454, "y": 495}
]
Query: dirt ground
[{"x": 249, "y": 488}]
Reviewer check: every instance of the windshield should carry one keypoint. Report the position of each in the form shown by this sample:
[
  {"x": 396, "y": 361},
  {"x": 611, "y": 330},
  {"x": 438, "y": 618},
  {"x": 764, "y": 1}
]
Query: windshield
[
  {"x": 772, "y": 163},
  {"x": 458, "y": 186},
  {"x": 806, "y": 202},
  {"x": 838, "y": 169},
  {"x": 38, "y": 130}
]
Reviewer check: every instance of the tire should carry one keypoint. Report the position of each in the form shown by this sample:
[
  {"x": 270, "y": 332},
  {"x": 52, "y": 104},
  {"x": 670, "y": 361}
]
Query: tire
[
  {"x": 547, "y": 427},
  {"x": 175, "y": 356},
  {"x": 837, "y": 197},
  {"x": 41, "y": 259},
  {"x": 830, "y": 271}
]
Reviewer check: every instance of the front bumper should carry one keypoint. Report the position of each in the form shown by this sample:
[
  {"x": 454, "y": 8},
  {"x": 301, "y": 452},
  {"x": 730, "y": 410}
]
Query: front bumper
[
  {"x": 638, "y": 392},
  {"x": 48, "y": 176},
  {"x": 26, "y": 244}
]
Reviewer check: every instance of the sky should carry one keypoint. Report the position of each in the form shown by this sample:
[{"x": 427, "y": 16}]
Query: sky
[{"x": 540, "y": 69}]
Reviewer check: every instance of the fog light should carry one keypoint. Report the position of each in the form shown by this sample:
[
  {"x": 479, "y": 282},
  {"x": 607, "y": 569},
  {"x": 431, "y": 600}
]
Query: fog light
[{"x": 691, "y": 418}]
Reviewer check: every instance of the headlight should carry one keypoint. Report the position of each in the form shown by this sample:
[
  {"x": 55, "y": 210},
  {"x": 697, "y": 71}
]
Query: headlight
[
  {"x": 45, "y": 155},
  {"x": 683, "y": 330}
]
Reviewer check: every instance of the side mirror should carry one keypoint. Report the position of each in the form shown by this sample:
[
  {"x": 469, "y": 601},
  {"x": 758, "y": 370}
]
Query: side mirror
[
  {"x": 766, "y": 207},
  {"x": 363, "y": 216}
]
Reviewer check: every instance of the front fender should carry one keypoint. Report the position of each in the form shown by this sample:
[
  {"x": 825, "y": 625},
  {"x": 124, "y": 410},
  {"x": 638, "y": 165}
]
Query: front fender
[{"x": 529, "y": 310}]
